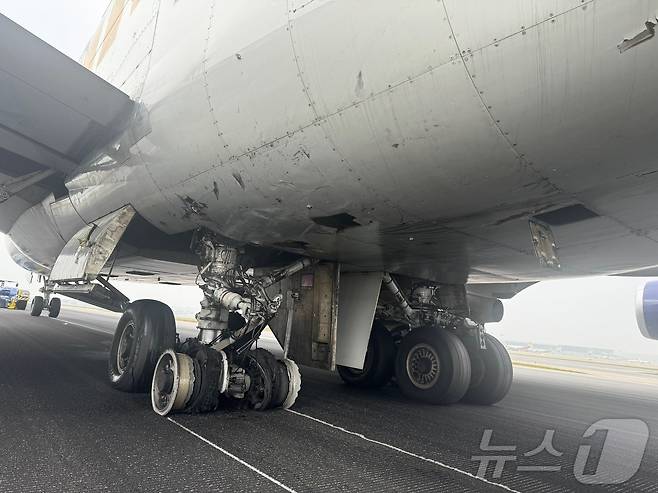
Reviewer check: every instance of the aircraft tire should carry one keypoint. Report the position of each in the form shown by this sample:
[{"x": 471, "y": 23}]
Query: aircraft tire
[
  {"x": 37, "y": 306},
  {"x": 146, "y": 329},
  {"x": 263, "y": 371},
  {"x": 432, "y": 365},
  {"x": 208, "y": 372},
  {"x": 54, "y": 307},
  {"x": 379, "y": 364},
  {"x": 492, "y": 373},
  {"x": 281, "y": 384}
]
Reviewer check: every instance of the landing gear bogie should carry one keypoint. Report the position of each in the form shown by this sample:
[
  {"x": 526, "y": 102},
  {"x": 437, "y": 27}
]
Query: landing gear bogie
[
  {"x": 199, "y": 374},
  {"x": 204, "y": 380}
]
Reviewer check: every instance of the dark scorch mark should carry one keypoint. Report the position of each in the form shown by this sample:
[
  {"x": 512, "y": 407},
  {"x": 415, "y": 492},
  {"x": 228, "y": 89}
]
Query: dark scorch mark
[
  {"x": 238, "y": 178},
  {"x": 338, "y": 221},
  {"x": 192, "y": 206}
]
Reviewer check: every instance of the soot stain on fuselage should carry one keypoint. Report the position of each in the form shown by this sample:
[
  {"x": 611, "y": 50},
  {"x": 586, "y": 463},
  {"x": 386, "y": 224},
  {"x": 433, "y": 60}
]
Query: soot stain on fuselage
[
  {"x": 338, "y": 222},
  {"x": 193, "y": 207}
]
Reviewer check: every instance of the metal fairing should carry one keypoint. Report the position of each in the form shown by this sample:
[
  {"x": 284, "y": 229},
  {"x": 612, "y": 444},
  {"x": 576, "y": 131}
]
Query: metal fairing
[
  {"x": 408, "y": 136},
  {"x": 85, "y": 254}
]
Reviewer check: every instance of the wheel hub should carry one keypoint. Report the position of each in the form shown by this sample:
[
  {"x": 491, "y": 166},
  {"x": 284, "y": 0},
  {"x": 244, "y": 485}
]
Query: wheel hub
[
  {"x": 173, "y": 382},
  {"x": 165, "y": 379},
  {"x": 259, "y": 393},
  {"x": 125, "y": 347},
  {"x": 423, "y": 366}
]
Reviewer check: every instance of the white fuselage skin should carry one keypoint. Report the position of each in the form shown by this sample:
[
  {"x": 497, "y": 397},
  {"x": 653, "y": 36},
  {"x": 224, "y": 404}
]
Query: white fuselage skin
[{"x": 440, "y": 127}]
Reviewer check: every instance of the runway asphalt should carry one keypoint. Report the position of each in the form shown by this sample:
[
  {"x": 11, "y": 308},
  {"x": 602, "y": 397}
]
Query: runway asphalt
[{"x": 63, "y": 429}]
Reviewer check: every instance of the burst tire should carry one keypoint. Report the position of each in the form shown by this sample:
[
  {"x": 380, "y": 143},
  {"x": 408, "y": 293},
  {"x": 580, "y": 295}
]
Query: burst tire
[
  {"x": 146, "y": 329},
  {"x": 208, "y": 372},
  {"x": 262, "y": 368}
]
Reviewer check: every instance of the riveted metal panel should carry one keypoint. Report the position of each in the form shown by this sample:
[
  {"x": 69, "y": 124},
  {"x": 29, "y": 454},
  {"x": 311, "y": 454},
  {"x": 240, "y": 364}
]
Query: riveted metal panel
[
  {"x": 315, "y": 317},
  {"x": 349, "y": 51},
  {"x": 478, "y": 23}
]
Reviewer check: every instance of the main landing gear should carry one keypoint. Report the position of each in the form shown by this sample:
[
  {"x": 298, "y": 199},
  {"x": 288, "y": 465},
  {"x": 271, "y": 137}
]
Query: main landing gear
[
  {"x": 45, "y": 302},
  {"x": 219, "y": 366},
  {"x": 422, "y": 337},
  {"x": 435, "y": 365},
  {"x": 434, "y": 355}
]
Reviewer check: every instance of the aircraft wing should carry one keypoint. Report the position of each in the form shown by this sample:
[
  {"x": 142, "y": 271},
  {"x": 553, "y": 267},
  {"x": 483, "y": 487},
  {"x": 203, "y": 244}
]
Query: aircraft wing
[{"x": 53, "y": 113}]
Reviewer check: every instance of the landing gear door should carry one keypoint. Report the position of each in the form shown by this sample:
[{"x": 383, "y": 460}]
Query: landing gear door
[
  {"x": 83, "y": 257},
  {"x": 306, "y": 323},
  {"x": 359, "y": 293}
]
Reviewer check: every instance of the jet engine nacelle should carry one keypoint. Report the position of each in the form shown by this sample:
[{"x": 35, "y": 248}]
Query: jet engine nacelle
[{"x": 646, "y": 309}]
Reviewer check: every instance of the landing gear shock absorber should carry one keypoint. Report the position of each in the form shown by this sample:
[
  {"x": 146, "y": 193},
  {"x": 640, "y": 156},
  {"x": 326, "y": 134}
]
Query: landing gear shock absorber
[{"x": 219, "y": 364}]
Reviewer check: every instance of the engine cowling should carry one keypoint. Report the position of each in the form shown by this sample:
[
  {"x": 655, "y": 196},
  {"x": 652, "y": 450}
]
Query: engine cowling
[{"x": 646, "y": 309}]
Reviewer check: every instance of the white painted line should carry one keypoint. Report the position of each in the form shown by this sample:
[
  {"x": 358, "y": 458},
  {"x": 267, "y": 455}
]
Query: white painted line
[
  {"x": 405, "y": 452},
  {"x": 93, "y": 329},
  {"x": 229, "y": 454}
]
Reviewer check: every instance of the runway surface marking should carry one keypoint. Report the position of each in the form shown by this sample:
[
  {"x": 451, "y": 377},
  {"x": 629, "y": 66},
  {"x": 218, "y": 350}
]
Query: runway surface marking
[
  {"x": 229, "y": 454},
  {"x": 406, "y": 452},
  {"x": 93, "y": 329}
]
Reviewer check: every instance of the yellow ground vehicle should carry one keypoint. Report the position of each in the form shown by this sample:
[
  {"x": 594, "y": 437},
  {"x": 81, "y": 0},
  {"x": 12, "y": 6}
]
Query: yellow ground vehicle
[
  {"x": 13, "y": 297},
  {"x": 19, "y": 301}
]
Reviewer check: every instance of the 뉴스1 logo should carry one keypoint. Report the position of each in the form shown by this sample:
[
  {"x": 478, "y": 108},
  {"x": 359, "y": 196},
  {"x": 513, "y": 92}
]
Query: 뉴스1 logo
[{"x": 619, "y": 460}]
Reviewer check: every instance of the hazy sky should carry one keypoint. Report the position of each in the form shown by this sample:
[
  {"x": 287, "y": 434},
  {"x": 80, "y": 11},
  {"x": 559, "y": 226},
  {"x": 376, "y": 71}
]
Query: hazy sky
[
  {"x": 596, "y": 312},
  {"x": 66, "y": 24}
]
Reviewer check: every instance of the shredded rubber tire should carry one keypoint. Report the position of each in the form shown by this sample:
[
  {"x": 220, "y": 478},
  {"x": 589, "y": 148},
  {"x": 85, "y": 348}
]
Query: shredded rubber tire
[
  {"x": 261, "y": 365},
  {"x": 205, "y": 397}
]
